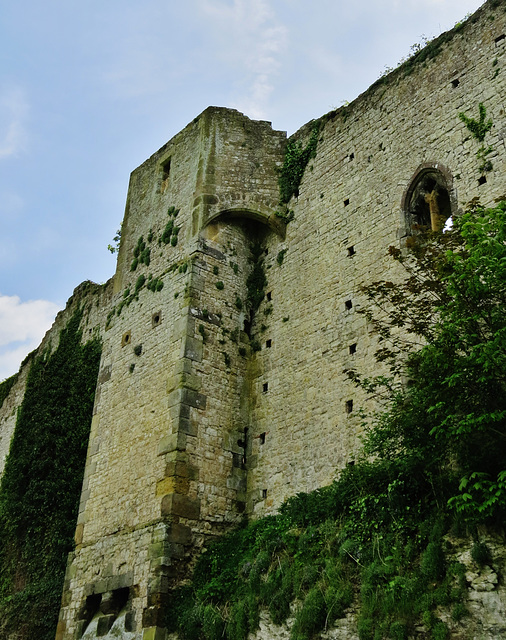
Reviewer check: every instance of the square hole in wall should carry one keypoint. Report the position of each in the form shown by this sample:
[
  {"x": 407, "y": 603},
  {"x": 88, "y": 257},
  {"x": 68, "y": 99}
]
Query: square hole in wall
[
  {"x": 482, "y": 180},
  {"x": 348, "y": 305},
  {"x": 265, "y": 387},
  {"x": 455, "y": 83},
  {"x": 352, "y": 348},
  {"x": 262, "y": 437},
  {"x": 269, "y": 295},
  {"x": 500, "y": 39},
  {"x": 352, "y": 156},
  {"x": 264, "y": 494},
  {"x": 351, "y": 251},
  {"x": 349, "y": 406},
  {"x": 268, "y": 343},
  {"x": 346, "y": 202}
]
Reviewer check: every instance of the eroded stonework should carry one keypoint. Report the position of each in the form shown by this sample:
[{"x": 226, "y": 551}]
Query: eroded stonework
[{"x": 205, "y": 411}]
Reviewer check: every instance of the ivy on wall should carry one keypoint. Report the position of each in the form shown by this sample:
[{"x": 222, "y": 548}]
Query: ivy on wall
[
  {"x": 6, "y": 386},
  {"x": 41, "y": 485},
  {"x": 294, "y": 165}
]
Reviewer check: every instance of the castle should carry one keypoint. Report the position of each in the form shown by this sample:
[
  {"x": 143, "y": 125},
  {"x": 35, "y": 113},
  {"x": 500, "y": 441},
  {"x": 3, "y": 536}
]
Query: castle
[{"x": 231, "y": 318}]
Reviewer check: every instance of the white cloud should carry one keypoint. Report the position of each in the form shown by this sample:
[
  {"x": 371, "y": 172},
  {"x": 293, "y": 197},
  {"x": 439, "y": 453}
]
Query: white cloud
[
  {"x": 22, "y": 327},
  {"x": 13, "y": 114},
  {"x": 252, "y": 40}
]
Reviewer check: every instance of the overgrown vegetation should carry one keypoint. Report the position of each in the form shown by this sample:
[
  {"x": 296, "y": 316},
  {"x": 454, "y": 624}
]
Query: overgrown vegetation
[
  {"x": 257, "y": 280},
  {"x": 6, "y": 386},
  {"x": 479, "y": 129},
  {"x": 41, "y": 485},
  {"x": 294, "y": 165},
  {"x": 378, "y": 536}
]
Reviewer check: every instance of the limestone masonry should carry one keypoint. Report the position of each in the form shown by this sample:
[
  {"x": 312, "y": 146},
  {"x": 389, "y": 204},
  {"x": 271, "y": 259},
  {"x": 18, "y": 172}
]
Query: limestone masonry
[{"x": 211, "y": 404}]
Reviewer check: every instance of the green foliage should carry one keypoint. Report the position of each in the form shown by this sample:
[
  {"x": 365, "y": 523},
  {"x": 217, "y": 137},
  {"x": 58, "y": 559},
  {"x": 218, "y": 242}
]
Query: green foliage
[
  {"x": 219, "y": 285},
  {"x": 480, "y": 553},
  {"x": 114, "y": 248},
  {"x": 154, "y": 284},
  {"x": 6, "y": 386},
  {"x": 452, "y": 414},
  {"x": 203, "y": 332},
  {"x": 479, "y": 129},
  {"x": 281, "y": 256},
  {"x": 257, "y": 280},
  {"x": 238, "y": 303},
  {"x": 141, "y": 280},
  {"x": 41, "y": 485},
  {"x": 170, "y": 232},
  {"x": 294, "y": 165},
  {"x": 376, "y": 535},
  {"x": 142, "y": 254}
]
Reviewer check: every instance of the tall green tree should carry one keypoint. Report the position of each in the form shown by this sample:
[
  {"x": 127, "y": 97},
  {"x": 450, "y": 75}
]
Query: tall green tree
[{"x": 442, "y": 333}]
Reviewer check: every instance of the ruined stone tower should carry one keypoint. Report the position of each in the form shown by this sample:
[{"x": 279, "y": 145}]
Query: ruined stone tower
[{"x": 230, "y": 321}]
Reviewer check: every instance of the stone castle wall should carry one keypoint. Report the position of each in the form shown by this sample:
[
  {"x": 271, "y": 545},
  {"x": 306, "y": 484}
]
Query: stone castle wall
[{"x": 206, "y": 411}]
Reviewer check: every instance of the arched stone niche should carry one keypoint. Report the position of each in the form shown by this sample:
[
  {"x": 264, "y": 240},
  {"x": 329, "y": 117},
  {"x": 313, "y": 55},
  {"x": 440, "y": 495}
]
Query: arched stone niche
[
  {"x": 260, "y": 214},
  {"x": 429, "y": 200}
]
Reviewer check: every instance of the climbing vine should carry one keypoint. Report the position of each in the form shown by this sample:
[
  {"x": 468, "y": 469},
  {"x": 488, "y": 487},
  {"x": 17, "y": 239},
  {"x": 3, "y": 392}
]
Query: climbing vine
[
  {"x": 479, "y": 129},
  {"x": 41, "y": 485},
  {"x": 6, "y": 386},
  {"x": 294, "y": 165}
]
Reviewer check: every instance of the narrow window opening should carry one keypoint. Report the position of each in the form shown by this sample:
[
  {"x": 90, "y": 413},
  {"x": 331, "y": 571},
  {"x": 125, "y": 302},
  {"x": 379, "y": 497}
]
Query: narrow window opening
[
  {"x": 268, "y": 344},
  {"x": 89, "y": 609},
  {"x": 265, "y": 387},
  {"x": 262, "y": 437},
  {"x": 126, "y": 338},
  {"x": 165, "y": 170},
  {"x": 120, "y": 599},
  {"x": 243, "y": 444},
  {"x": 156, "y": 318},
  {"x": 351, "y": 251},
  {"x": 269, "y": 295},
  {"x": 349, "y": 406},
  {"x": 346, "y": 202},
  {"x": 348, "y": 304},
  {"x": 264, "y": 494},
  {"x": 500, "y": 38},
  {"x": 482, "y": 180},
  {"x": 352, "y": 348}
]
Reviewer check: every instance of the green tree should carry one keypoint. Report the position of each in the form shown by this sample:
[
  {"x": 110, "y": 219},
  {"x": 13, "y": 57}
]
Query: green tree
[{"x": 442, "y": 332}]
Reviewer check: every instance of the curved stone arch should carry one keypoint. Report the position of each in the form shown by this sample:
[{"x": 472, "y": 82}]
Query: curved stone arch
[
  {"x": 260, "y": 214},
  {"x": 430, "y": 198}
]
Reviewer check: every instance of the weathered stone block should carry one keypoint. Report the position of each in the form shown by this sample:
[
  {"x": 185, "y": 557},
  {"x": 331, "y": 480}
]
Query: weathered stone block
[
  {"x": 178, "y": 505},
  {"x": 180, "y": 534},
  {"x": 153, "y": 633},
  {"x": 172, "y": 442},
  {"x": 104, "y": 624},
  {"x": 193, "y": 349}
]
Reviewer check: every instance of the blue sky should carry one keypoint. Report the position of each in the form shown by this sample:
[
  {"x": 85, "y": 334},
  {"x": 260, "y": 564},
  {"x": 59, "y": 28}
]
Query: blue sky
[{"x": 89, "y": 90}]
